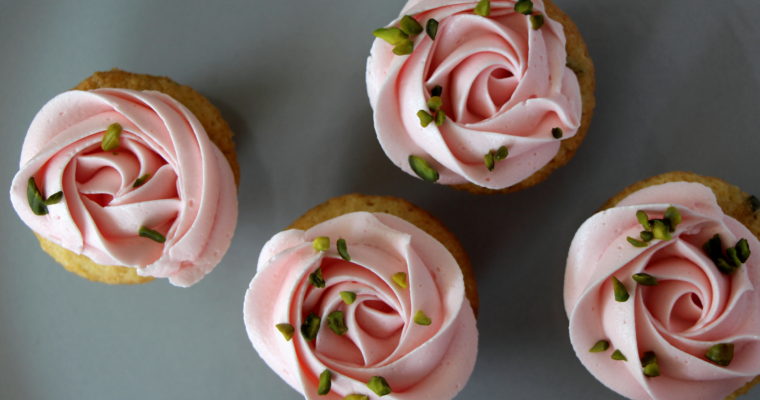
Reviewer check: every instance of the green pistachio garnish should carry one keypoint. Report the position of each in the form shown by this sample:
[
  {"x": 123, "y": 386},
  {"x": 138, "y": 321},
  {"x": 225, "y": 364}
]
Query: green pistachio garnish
[
  {"x": 754, "y": 203},
  {"x": 420, "y": 318},
  {"x": 557, "y": 132},
  {"x": 379, "y": 385},
  {"x": 310, "y": 327},
  {"x": 394, "y": 36},
  {"x": 404, "y": 48},
  {"x": 501, "y": 153},
  {"x": 733, "y": 257},
  {"x": 617, "y": 355},
  {"x": 337, "y": 323},
  {"x": 636, "y": 242},
  {"x": 286, "y": 330},
  {"x": 661, "y": 230},
  {"x": 348, "y": 297},
  {"x": 325, "y": 382},
  {"x": 673, "y": 217},
  {"x": 742, "y": 250},
  {"x": 110, "y": 139},
  {"x": 643, "y": 219},
  {"x": 151, "y": 234},
  {"x": 410, "y": 26},
  {"x": 436, "y": 91},
  {"x": 649, "y": 365},
  {"x": 524, "y": 7},
  {"x": 621, "y": 293},
  {"x": 431, "y": 28},
  {"x": 724, "y": 266},
  {"x": 483, "y": 8},
  {"x": 645, "y": 279},
  {"x": 721, "y": 354},
  {"x": 488, "y": 159},
  {"x": 399, "y": 278},
  {"x": 425, "y": 118},
  {"x": 321, "y": 243},
  {"x": 714, "y": 248},
  {"x": 343, "y": 250},
  {"x": 54, "y": 198},
  {"x": 434, "y": 103},
  {"x": 536, "y": 21},
  {"x": 36, "y": 201},
  {"x": 140, "y": 181},
  {"x": 646, "y": 236},
  {"x": 356, "y": 397},
  {"x": 316, "y": 279},
  {"x": 421, "y": 167},
  {"x": 440, "y": 117},
  {"x": 599, "y": 346}
]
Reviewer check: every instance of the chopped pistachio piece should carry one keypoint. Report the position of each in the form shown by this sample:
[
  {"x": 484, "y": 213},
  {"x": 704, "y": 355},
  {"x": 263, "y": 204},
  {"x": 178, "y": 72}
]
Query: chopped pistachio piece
[
  {"x": 316, "y": 279},
  {"x": 151, "y": 234},
  {"x": 325, "y": 382},
  {"x": 425, "y": 118},
  {"x": 754, "y": 203},
  {"x": 420, "y": 318},
  {"x": 646, "y": 236},
  {"x": 436, "y": 91},
  {"x": 501, "y": 153},
  {"x": 714, "y": 247},
  {"x": 140, "y": 181},
  {"x": 643, "y": 219},
  {"x": 337, "y": 323},
  {"x": 310, "y": 327},
  {"x": 673, "y": 216},
  {"x": 617, "y": 355},
  {"x": 488, "y": 160},
  {"x": 524, "y": 7},
  {"x": 742, "y": 250},
  {"x": 110, "y": 139},
  {"x": 404, "y": 48},
  {"x": 721, "y": 354},
  {"x": 356, "y": 397},
  {"x": 636, "y": 243},
  {"x": 421, "y": 167},
  {"x": 379, "y": 385},
  {"x": 483, "y": 8},
  {"x": 399, "y": 278},
  {"x": 431, "y": 28},
  {"x": 434, "y": 103},
  {"x": 599, "y": 346},
  {"x": 286, "y": 330},
  {"x": 649, "y": 364},
  {"x": 642, "y": 278},
  {"x": 410, "y": 26},
  {"x": 321, "y": 243},
  {"x": 54, "y": 198},
  {"x": 732, "y": 257},
  {"x": 661, "y": 230},
  {"x": 440, "y": 117},
  {"x": 348, "y": 297},
  {"x": 557, "y": 132},
  {"x": 621, "y": 293},
  {"x": 724, "y": 266},
  {"x": 36, "y": 201},
  {"x": 394, "y": 36},
  {"x": 343, "y": 250},
  {"x": 536, "y": 21}
]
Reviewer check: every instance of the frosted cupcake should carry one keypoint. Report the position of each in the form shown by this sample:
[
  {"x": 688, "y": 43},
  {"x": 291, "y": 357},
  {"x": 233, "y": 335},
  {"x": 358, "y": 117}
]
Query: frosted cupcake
[
  {"x": 127, "y": 178},
  {"x": 485, "y": 96},
  {"x": 662, "y": 290},
  {"x": 365, "y": 296}
]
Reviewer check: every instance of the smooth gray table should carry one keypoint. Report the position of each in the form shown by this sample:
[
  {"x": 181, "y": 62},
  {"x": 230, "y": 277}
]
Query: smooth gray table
[{"x": 678, "y": 89}]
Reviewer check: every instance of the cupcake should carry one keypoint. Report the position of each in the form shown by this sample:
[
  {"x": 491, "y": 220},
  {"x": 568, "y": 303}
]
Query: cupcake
[
  {"x": 127, "y": 178},
  {"x": 486, "y": 96},
  {"x": 365, "y": 296},
  {"x": 662, "y": 290}
]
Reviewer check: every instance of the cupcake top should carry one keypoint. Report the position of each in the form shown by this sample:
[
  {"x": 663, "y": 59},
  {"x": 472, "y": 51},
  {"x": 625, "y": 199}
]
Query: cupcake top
[
  {"x": 362, "y": 304},
  {"x": 127, "y": 178},
  {"x": 662, "y": 295},
  {"x": 481, "y": 94}
]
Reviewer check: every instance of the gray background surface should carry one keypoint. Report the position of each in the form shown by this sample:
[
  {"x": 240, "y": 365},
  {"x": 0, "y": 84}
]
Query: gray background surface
[{"x": 678, "y": 89}]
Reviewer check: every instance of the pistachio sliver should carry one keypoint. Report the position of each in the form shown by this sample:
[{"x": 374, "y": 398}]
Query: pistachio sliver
[
  {"x": 732, "y": 257},
  {"x": 343, "y": 249},
  {"x": 36, "y": 201},
  {"x": 421, "y": 167},
  {"x": 649, "y": 364},
  {"x": 434, "y": 103},
  {"x": 310, "y": 327},
  {"x": 557, "y": 132},
  {"x": 394, "y": 36},
  {"x": 642, "y": 278},
  {"x": 399, "y": 278},
  {"x": 379, "y": 385},
  {"x": 420, "y": 318},
  {"x": 643, "y": 219},
  {"x": 54, "y": 198},
  {"x": 436, "y": 91},
  {"x": 325, "y": 382},
  {"x": 536, "y": 21},
  {"x": 673, "y": 216},
  {"x": 348, "y": 297},
  {"x": 440, "y": 117},
  {"x": 646, "y": 236},
  {"x": 661, "y": 230},
  {"x": 501, "y": 153},
  {"x": 621, "y": 293},
  {"x": 618, "y": 355},
  {"x": 636, "y": 243},
  {"x": 404, "y": 48},
  {"x": 431, "y": 28},
  {"x": 599, "y": 346},
  {"x": 286, "y": 330},
  {"x": 141, "y": 181},
  {"x": 110, "y": 140},
  {"x": 336, "y": 322},
  {"x": 316, "y": 279},
  {"x": 410, "y": 26},
  {"x": 721, "y": 354},
  {"x": 488, "y": 160},
  {"x": 321, "y": 243},
  {"x": 524, "y": 7},
  {"x": 355, "y": 396},
  {"x": 742, "y": 250},
  {"x": 425, "y": 118},
  {"x": 483, "y": 8},
  {"x": 151, "y": 234}
]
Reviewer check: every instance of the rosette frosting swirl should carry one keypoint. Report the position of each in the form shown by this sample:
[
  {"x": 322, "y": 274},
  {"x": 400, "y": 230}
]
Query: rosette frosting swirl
[
  {"x": 692, "y": 308},
  {"x": 165, "y": 175},
  {"x": 503, "y": 84},
  {"x": 417, "y": 361}
]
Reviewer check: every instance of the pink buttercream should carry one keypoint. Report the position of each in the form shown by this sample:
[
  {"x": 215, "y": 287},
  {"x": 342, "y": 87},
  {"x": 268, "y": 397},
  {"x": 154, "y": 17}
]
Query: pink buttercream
[
  {"x": 419, "y": 362},
  {"x": 693, "y": 307},
  {"x": 504, "y": 84},
  {"x": 190, "y": 196}
]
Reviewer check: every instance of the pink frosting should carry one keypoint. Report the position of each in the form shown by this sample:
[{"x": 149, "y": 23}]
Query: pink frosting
[
  {"x": 504, "y": 84},
  {"x": 418, "y": 362},
  {"x": 693, "y": 307},
  {"x": 190, "y": 197}
]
